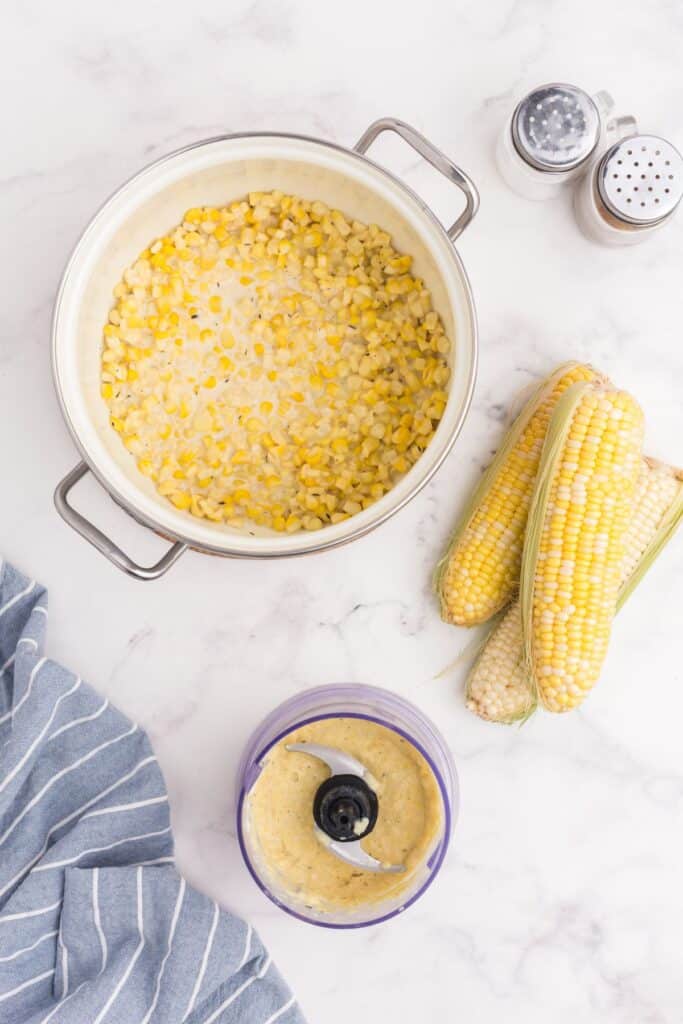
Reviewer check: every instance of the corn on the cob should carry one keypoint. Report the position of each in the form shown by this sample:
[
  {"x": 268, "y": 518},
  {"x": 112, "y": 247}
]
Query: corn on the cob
[
  {"x": 498, "y": 687},
  {"x": 480, "y": 570},
  {"x": 573, "y": 549}
]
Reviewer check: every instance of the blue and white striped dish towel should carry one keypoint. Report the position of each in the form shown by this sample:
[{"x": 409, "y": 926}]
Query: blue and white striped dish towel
[{"x": 96, "y": 925}]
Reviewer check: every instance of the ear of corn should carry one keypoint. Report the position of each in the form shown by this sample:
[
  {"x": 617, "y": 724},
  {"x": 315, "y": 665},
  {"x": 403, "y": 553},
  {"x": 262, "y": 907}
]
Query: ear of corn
[
  {"x": 662, "y": 500},
  {"x": 574, "y": 545},
  {"x": 480, "y": 570},
  {"x": 498, "y": 687}
]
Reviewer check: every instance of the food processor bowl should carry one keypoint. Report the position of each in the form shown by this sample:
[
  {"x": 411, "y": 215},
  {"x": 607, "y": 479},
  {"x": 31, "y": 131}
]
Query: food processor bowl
[{"x": 348, "y": 701}]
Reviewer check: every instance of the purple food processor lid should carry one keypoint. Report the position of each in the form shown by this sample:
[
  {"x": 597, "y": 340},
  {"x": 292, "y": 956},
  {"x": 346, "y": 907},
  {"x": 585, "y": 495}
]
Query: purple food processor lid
[{"x": 340, "y": 696}]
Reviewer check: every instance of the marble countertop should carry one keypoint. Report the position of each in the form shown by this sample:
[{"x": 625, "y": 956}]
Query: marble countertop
[{"x": 561, "y": 897}]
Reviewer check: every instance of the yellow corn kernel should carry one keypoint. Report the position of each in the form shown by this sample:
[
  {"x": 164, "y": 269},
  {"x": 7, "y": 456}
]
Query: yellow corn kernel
[{"x": 181, "y": 500}]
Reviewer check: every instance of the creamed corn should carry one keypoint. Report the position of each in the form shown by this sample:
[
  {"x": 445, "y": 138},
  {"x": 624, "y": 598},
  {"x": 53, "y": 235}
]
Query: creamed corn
[{"x": 274, "y": 362}]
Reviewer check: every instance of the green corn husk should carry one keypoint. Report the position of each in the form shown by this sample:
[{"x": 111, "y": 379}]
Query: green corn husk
[{"x": 488, "y": 479}]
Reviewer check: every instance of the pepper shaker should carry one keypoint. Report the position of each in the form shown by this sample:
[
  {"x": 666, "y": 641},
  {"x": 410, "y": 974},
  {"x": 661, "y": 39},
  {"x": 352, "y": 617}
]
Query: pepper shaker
[
  {"x": 631, "y": 191},
  {"x": 550, "y": 139}
]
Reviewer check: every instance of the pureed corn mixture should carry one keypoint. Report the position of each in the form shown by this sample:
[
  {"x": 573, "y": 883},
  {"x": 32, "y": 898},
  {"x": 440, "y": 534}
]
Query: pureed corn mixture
[
  {"x": 281, "y": 824},
  {"x": 273, "y": 362}
]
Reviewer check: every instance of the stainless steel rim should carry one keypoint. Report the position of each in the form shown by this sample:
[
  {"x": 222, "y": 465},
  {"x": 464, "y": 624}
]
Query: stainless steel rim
[{"x": 315, "y": 546}]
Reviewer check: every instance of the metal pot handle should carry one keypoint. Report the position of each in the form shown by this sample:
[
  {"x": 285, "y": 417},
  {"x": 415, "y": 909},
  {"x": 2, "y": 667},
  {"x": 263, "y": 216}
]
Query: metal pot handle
[
  {"x": 435, "y": 157},
  {"x": 100, "y": 541}
]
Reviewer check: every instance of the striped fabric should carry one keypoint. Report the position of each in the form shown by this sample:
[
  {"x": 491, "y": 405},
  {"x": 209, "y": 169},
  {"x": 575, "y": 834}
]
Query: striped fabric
[{"x": 96, "y": 925}]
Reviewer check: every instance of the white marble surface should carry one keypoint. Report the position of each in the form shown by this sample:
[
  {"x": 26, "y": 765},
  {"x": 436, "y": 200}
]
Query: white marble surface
[{"x": 561, "y": 898}]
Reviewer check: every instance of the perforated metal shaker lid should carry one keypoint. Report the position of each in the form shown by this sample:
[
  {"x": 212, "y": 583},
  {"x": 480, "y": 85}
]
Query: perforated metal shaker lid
[
  {"x": 556, "y": 127},
  {"x": 640, "y": 179}
]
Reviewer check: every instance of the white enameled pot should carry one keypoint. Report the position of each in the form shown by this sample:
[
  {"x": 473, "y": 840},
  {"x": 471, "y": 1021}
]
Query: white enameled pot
[{"x": 214, "y": 172}]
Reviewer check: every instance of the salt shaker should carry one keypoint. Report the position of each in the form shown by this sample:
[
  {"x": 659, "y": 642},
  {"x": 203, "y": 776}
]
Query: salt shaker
[
  {"x": 631, "y": 191},
  {"x": 550, "y": 139}
]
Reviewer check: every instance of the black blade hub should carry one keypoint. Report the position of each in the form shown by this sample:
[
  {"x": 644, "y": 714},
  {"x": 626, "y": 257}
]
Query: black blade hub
[{"x": 345, "y": 808}]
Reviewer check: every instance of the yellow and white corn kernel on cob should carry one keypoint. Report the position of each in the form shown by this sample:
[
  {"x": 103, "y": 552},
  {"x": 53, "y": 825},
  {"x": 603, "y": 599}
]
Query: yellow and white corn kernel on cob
[
  {"x": 657, "y": 512},
  {"x": 574, "y": 545},
  {"x": 480, "y": 570},
  {"x": 498, "y": 687}
]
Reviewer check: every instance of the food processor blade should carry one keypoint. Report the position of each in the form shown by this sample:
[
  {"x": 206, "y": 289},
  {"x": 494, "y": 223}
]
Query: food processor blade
[
  {"x": 353, "y": 853},
  {"x": 345, "y": 807},
  {"x": 338, "y": 761}
]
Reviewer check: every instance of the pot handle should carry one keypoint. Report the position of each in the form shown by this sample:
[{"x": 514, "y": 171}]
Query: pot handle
[
  {"x": 100, "y": 541},
  {"x": 435, "y": 157}
]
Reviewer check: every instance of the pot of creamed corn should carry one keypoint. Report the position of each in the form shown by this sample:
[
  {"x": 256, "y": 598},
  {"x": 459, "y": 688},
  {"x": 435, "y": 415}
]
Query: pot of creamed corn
[{"x": 264, "y": 345}]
